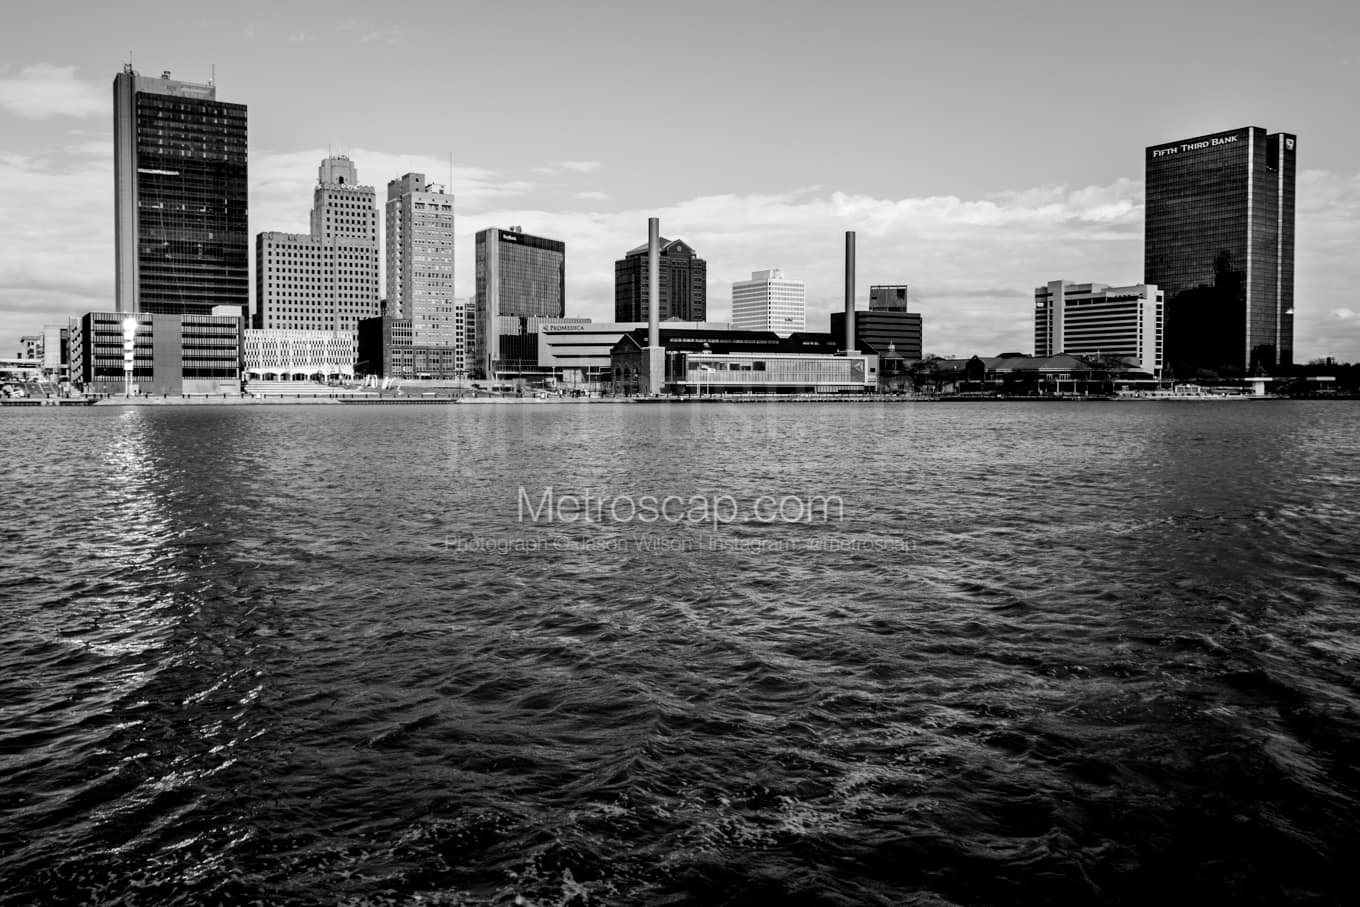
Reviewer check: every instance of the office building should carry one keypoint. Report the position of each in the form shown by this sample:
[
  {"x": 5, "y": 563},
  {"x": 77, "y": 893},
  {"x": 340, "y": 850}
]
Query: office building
[
  {"x": 885, "y": 331},
  {"x": 180, "y": 197},
  {"x": 682, "y": 283},
  {"x": 325, "y": 280},
  {"x": 769, "y": 301},
  {"x": 172, "y": 354},
  {"x": 518, "y": 276},
  {"x": 31, "y": 346},
  {"x": 420, "y": 244},
  {"x": 1095, "y": 319},
  {"x": 888, "y": 298},
  {"x": 387, "y": 349},
  {"x": 1219, "y": 242}
]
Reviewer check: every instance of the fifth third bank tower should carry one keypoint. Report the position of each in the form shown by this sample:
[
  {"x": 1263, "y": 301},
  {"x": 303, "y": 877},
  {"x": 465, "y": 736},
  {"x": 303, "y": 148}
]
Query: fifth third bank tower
[{"x": 1219, "y": 241}]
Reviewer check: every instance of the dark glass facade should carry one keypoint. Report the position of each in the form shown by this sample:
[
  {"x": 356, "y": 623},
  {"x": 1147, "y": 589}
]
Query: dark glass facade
[
  {"x": 884, "y": 331},
  {"x": 682, "y": 284},
  {"x": 181, "y": 193},
  {"x": 1219, "y": 242},
  {"x": 517, "y": 275}
]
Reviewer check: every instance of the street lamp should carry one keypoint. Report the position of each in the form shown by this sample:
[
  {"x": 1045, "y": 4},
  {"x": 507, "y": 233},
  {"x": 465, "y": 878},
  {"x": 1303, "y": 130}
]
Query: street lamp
[
  {"x": 129, "y": 353},
  {"x": 705, "y": 368}
]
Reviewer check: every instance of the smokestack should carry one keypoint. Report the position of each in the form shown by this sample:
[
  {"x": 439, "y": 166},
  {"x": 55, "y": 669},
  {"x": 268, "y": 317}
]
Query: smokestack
[
  {"x": 849, "y": 291},
  {"x": 653, "y": 285}
]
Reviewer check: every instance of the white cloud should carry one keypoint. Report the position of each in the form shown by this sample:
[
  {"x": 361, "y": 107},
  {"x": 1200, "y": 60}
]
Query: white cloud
[
  {"x": 972, "y": 263},
  {"x": 42, "y": 90},
  {"x": 580, "y": 166}
]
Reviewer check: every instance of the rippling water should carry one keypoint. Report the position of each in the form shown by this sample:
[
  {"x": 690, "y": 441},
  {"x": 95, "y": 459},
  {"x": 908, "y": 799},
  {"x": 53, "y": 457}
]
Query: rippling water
[{"x": 1053, "y": 653}]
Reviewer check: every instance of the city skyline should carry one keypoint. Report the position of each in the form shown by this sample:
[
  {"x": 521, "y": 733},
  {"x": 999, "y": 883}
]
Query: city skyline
[{"x": 944, "y": 165}]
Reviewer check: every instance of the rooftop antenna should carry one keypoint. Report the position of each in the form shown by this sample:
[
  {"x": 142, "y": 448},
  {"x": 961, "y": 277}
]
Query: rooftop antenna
[
  {"x": 450, "y": 171},
  {"x": 212, "y": 80}
]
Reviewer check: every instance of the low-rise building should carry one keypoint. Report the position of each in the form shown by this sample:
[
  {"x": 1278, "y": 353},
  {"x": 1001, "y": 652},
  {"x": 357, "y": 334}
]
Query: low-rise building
[
  {"x": 172, "y": 355},
  {"x": 294, "y": 355}
]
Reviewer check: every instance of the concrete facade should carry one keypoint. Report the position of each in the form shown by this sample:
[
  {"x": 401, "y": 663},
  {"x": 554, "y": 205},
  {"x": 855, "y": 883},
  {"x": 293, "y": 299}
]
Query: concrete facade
[{"x": 326, "y": 280}]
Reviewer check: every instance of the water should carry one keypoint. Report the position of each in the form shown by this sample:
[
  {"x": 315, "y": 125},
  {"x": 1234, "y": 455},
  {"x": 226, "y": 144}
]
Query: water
[{"x": 1050, "y": 653}]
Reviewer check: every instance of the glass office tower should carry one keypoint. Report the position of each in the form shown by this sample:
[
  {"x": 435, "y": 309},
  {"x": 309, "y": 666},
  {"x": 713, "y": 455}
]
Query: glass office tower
[
  {"x": 180, "y": 197},
  {"x": 519, "y": 276},
  {"x": 1219, "y": 241}
]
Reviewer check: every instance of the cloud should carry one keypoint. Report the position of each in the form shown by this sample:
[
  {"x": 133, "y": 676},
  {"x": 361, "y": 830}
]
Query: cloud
[
  {"x": 297, "y": 38},
  {"x": 580, "y": 166},
  {"x": 972, "y": 263},
  {"x": 42, "y": 90}
]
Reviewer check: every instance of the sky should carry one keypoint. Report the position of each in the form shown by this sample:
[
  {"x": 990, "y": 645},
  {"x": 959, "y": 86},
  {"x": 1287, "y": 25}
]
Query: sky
[{"x": 978, "y": 149}]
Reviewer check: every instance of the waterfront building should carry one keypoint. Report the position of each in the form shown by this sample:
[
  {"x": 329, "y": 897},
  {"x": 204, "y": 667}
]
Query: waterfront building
[
  {"x": 173, "y": 354},
  {"x": 1219, "y": 242},
  {"x": 769, "y": 301},
  {"x": 325, "y": 280},
  {"x": 31, "y": 346},
  {"x": 702, "y": 361},
  {"x": 387, "y": 349},
  {"x": 1096, "y": 319},
  {"x": 888, "y": 297},
  {"x": 682, "y": 283},
  {"x": 578, "y": 351},
  {"x": 518, "y": 276},
  {"x": 180, "y": 197},
  {"x": 885, "y": 331},
  {"x": 281, "y": 354},
  {"x": 420, "y": 246}
]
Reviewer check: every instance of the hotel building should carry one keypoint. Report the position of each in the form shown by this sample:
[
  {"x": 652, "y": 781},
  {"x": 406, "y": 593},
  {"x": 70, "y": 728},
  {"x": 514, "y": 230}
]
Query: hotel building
[
  {"x": 1219, "y": 242},
  {"x": 769, "y": 301},
  {"x": 180, "y": 197},
  {"x": 519, "y": 276},
  {"x": 682, "y": 283},
  {"x": 1095, "y": 319},
  {"x": 325, "y": 280}
]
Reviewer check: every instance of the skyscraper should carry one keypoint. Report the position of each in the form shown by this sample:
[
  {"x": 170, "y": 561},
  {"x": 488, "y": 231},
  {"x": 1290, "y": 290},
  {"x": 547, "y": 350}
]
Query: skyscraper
[
  {"x": 180, "y": 197},
  {"x": 519, "y": 276},
  {"x": 769, "y": 301},
  {"x": 1219, "y": 242},
  {"x": 420, "y": 261},
  {"x": 682, "y": 283},
  {"x": 325, "y": 280}
]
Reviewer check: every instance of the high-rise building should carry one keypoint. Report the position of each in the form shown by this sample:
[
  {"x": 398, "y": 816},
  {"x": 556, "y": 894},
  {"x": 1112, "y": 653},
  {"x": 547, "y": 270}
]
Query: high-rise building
[
  {"x": 519, "y": 276},
  {"x": 682, "y": 284},
  {"x": 1219, "y": 242},
  {"x": 769, "y": 301},
  {"x": 420, "y": 261},
  {"x": 888, "y": 298},
  {"x": 325, "y": 280},
  {"x": 1096, "y": 319},
  {"x": 180, "y": 197}
]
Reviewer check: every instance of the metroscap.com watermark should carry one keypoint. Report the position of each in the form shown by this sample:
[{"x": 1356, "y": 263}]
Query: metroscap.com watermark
[{"x": 710, "y": 510}]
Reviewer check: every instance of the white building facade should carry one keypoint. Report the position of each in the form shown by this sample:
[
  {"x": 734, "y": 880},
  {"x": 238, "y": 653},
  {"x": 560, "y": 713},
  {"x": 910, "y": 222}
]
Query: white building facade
[
  {"x": 1096, "y": 319},
  {"x": 769, "y": 301},
  {"x": 281, "y": 354},
  {"x": 326, "y": 280}
]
